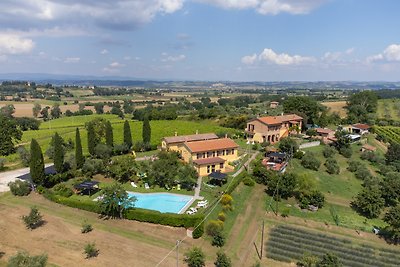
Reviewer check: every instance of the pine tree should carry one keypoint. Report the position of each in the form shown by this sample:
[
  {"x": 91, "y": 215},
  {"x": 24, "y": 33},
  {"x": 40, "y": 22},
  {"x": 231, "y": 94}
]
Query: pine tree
[
  {"x": 127, "y": 134},
  {"x": 58, "y": 153},
  {"x": 37, "y": 163},
  {"x": 78, "y": 150},
  {"x": 91, "y": 135},
  {"x": 109, "y": 135},
  {"x": 146, "y": 133}
]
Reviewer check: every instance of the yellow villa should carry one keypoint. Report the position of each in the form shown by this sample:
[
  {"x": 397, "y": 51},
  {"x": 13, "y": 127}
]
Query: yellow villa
[
  {"x": 272, "y": 128},
  {"x": 210, "y": 155},
  {"x": 175, "y": 143}
]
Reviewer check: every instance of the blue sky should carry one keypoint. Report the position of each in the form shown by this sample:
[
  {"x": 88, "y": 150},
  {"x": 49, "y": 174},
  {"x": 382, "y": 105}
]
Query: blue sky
[{"x": 238, "y": 40}]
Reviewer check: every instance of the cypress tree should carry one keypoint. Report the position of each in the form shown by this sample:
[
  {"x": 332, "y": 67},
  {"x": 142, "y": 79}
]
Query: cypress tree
[
  {"x": 127, "y": 134},
  {"x": 91, "y": 135},
  {"x": 78, "y": 150},
  {"x": 58, "y": 153},
  {"x": 109, "y": 135},
  {"x": 37, "y": 163},
  {"x": 146, "y": 133}
]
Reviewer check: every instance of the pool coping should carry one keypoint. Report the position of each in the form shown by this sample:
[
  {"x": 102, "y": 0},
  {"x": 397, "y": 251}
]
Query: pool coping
[{"x": 182, "y": 210}]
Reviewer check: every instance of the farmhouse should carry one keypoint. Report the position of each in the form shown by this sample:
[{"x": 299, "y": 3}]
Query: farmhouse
[
  {"x": 358, "y": 128},
  {"x": 272, "y": 128},
  {"x": 211, "y": 155},
  {"x": 175, "y": 143},
  {"x": 273, "y": 104},
  {"x": 326, "y": 135}
]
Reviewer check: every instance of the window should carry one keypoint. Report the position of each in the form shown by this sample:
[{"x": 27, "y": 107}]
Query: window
[
  {"x": 221, "y": 165},
  {"x": 213, "y": 168},
  {"x": 219, "y": 153},
  {"x": 208, "y": 168},
  {"x": 199, "y": 156},
  {"x": 209, "y": 154},
  {"x": 213, "y": 153}
]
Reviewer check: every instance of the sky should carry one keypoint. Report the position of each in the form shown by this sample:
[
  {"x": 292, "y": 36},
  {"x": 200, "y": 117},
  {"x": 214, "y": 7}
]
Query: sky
[{"x": 208, "y": 40}]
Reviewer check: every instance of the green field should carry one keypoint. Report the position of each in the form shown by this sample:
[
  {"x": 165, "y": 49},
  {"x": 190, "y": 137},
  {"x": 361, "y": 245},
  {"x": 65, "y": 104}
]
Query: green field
[
  {"x": 389, "y": 109},
  {"x": 66, "y": 128},
  {"x": 339, "y": 191}
]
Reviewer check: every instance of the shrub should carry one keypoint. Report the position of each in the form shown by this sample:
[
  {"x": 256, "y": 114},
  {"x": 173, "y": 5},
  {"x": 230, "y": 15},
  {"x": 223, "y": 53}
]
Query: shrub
[
  {"x": 346, "y": 152},
  {"x": 63, "y": 190},
  {"x": 332, "y": 167},
  {"x": 34, "y": 219},
  {"x": 2, "y": 162},
  {"x": 198, "y": 231},
  {"x": 23, "y": 258},
  {"x": 93, "y": 166},
  {"x": 328, "y": 151},
  {"x": 86, "y": 228},
  {"x": 24, "y": 155},
  {"x": 248, "y": 181},
  {"x": 195, "y": 257},
  {"x": 90, "y": 250},
  {"x": 315, "y": 198},
  {"x": 362, "y": 172},
  {"x": 221, "y": 216},
  {"x": 214, "y": 227},
  {"x": 226, "y": 199},
  {"x": 218, "y": 240},
  {"x": 121, "y": 149},
  {"x": 227, "y": 208},
  {"x": 20, "y": 188},
  {"x": 298, "y": 154},
  {"x": 353, "y": 165},
  {"x": 102, "y": 151},
  {"x": 309, "y": 161},
  {"x": 222, "y": 260}
]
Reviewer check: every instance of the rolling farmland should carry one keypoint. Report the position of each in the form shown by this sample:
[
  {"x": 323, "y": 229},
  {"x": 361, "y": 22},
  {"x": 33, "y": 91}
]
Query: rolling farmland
[{"x": 389, "y": 134}]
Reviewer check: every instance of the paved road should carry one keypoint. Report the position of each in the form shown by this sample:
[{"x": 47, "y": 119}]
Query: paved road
[{"x": 10, "y": 176}]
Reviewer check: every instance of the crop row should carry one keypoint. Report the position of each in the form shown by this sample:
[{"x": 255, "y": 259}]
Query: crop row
[
  {"x": 388, "y": 133},
  {"x": 287, "y": 242}
]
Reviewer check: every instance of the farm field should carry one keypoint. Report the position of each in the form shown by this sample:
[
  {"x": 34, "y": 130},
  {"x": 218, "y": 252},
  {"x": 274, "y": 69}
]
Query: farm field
[
  {"x": 389, "y": 134},
  {"x": 288, "y": 243},
  {"x": 66, "y": 127},
  {"x": 336, "y": 106},
  {"x": 389, "y": 109}
]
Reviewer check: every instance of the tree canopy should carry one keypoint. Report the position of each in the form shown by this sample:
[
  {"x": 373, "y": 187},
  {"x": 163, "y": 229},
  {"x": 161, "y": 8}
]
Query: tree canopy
[
  {"x": 9, "y": 134},
  {"x": 305, "y": 106}
]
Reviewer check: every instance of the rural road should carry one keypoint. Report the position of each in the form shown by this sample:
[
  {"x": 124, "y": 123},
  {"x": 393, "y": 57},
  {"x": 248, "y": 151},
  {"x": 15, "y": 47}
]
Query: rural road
[{"x": 10, "y": 176}]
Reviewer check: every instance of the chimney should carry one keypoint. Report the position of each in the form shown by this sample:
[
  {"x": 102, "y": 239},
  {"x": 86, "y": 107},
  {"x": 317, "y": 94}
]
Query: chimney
[
  {"x": 197, "y": 131},
  {"x": 226, "y": 135},
  {"x": 176, "y": 133}
]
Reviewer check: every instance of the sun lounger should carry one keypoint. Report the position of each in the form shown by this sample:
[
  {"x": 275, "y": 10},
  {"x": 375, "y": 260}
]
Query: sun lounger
[
  {"x": 133, "y": 184},
  {"x": 146, "y": 185},
  {"x": 178, "y": 187}
]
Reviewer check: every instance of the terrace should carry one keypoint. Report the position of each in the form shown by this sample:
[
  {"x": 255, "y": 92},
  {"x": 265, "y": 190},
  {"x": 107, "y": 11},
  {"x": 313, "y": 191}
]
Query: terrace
[{"x": 276, "y": 161}]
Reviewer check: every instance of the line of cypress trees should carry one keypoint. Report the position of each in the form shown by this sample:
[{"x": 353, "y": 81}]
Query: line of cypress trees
[
  {"x": 37, "y": 163},
  {"x": 109, "y": 134},
  {"x": 127, "y": 134},
  {"x": 58, "y": 153},
  {"x": 91, "y": 135},
  {"x": 146, "y": 132},
  {"x": 78, "y": 150}
]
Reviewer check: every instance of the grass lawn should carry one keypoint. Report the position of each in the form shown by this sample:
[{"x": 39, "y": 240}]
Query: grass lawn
[
  {"x": 339, "y": 191},
  {"x": 389, "y": 109}
]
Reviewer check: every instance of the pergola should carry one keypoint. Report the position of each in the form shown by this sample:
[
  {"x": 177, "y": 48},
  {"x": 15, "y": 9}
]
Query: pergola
[
  {"x": 87, "y": 186},
  {"x": 217, "y": 178}
]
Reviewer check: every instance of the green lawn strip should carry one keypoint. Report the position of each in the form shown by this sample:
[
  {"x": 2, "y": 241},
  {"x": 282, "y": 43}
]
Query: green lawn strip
[{"x": 65, "y": 214}]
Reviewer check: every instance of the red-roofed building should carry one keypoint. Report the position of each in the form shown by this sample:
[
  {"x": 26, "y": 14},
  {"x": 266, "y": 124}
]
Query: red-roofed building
[
  {"x": 272, "y": 128},
  {"x": 325, "y": 134}
]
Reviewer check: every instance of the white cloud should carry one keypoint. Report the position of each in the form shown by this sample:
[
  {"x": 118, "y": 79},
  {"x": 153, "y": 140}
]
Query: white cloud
[
  {"x": 248, "y": 60},
  {"x": 272, "y": 7},
  {"x": 390, "y": 54},
  {"x": 104, "y": 51},
  {"x": 12, "y": 45},
  {"x": 268, "y": 55},
  {"x": 350, "y": 51},
  {"x": 167, "y": 58},
  {"x": 116, "y": 65},
  {"x": 72, "y": 60}
]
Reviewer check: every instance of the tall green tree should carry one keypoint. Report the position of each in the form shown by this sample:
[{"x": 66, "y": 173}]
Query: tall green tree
[
  {"x": 78, "y": 150},
  {"x": 392, "y": 218},
  {"x": 37, "y": 163},
  {"x": 36, "y": 109},
  {"x": 115, "y": 201},
  {"x": 369, "y": 201},
  {"x": 195, "y": 257},
  {"x": 146, "y": 133},
  {"x": 58, "y": 153},
  {"x": 127, "y": 134},
  {"x": 109, "y": 135},
  {"x": 361, "y": 105},
  {"x": 305, "y": 106},
  {"x": 9, "y": 133},
  {"x": 92, "y": 140},
  {"x": 55, "y": 112}
]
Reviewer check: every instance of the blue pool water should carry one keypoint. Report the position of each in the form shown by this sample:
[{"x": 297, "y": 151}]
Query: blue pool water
[{"x": 163, "y": 202}]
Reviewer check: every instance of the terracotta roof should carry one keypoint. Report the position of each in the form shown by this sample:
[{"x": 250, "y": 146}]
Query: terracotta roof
[
  {"x": 324, "y": 130},
  {"x": 211, "y": 145},
  {"x": 274, "y": 102},
  {"x": 208, "y": 161},
  {"x": 369, "y": 147},
  {"x": 189, "y": 138},
  {"x": 272, "y": 120},
  {"x": 361, "y": 126}
]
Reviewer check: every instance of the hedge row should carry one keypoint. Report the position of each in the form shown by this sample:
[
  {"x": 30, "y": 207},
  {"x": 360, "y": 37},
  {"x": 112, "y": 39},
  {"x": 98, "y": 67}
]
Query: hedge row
[
  {"x": 141, "y": 215},
  {"x": 236, "y": 182}
]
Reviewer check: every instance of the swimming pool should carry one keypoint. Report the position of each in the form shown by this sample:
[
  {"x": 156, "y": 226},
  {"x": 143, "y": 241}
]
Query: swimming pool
[{"x": 163, "y": 202}]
